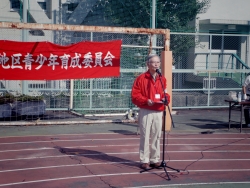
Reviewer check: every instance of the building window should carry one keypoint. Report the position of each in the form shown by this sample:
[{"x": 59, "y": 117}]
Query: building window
[
  {"x": 36, "y": 86},
  {"x": 15, "y": 4},
  {"x": 72, "y": 6},
  {"x": 42, "y": 5},
  {"x": 224, "y": 42}
]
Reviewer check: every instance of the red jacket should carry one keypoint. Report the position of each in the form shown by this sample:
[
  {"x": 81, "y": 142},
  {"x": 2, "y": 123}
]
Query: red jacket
[{"x": 145, "y": 88}]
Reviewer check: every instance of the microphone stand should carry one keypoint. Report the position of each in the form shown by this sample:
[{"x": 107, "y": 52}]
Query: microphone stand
[{"x": 165, "y": 102}]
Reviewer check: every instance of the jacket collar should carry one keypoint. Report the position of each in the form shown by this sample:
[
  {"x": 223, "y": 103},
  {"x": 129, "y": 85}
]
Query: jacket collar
[{"x": 149, "y": 76}]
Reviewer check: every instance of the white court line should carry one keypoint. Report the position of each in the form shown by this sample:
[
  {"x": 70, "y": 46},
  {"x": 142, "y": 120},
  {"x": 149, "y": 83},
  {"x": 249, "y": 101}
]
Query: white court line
[
  {"x": 188, "y": 184},
  {"x": 108, "y": 163},
  {"x": 63, "y": 166},
  {"x": 118, "y": 174},
  {"x": 126, "y": 153},
  {"x": 94, "y": 139},
  {"x": 76, "y": 140},
  {"x": 49, "y": 135},
  {"x": 84, "y": 134},
  {"x": 96, "y": 146},
  {"x": 68, "y": 147}
]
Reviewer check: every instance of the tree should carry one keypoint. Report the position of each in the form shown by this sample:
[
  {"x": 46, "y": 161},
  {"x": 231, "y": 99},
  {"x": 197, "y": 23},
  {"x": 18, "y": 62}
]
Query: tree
[
  {"x": 175, "y": 15},
  {"x": 171, "y": 14}
]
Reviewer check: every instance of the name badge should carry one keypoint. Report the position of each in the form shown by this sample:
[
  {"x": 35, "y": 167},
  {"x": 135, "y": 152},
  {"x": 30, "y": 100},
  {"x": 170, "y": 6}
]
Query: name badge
[{"x": 157, "y": 96}]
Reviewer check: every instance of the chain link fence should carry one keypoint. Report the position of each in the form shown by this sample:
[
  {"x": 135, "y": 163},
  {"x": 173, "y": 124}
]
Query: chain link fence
[
  {"x": 205, "y": 68},
  {"x": 90, "y": 96}
]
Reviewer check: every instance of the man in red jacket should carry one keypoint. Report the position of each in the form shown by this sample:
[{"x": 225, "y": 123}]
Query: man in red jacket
[{"x": 147, "y": 93}]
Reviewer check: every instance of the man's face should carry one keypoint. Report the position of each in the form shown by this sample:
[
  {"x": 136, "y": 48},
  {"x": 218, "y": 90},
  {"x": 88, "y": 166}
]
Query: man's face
[{"x": 154, "y": 63}]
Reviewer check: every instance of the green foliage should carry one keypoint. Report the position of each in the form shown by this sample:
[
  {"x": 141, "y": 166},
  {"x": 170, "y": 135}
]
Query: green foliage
[
  {"x": 172, "y": 14},
  {"x": 25, "y": 98},
  {"x": 9, "y": 98},
  {"x": 181, "y": 43},
  {"x": 175, "y": 15}
]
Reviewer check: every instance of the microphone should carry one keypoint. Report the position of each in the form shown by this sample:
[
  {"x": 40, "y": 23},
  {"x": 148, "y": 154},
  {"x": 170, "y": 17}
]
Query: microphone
[{"x": 158, "y": 71}]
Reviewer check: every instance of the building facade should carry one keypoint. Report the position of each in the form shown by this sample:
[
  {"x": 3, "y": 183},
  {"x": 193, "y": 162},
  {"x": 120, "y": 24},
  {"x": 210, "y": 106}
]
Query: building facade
[{"x": 231, "y": 21}]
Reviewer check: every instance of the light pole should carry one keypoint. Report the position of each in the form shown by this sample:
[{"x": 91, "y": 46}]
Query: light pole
[
  {"x": 25, "y": 38},
  {"x": 153, "y": 13},
  {"x": 153, "y": 18},
  {"x": 25, "y": 8}
]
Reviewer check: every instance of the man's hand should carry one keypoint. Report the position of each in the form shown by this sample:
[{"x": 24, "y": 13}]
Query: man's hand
[{"x": 150, "y": 102}]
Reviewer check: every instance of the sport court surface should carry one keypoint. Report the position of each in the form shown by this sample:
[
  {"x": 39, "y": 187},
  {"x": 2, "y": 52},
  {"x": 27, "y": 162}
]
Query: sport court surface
[{"x": 221, "y": 159}]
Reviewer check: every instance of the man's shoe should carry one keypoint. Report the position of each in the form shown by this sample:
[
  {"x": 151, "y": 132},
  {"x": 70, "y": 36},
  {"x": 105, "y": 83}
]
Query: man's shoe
[
  {"x": 156, "y": 165},
  {"x": 145, "y": 166}
]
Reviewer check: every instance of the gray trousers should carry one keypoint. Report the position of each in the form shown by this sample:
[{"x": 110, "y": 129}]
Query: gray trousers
[{"x": 150, "y": 123}]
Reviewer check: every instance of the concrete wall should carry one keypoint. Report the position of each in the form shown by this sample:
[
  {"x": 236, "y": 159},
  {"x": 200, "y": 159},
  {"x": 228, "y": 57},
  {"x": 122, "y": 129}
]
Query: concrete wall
[
  {"x": 227, "y": 9},
  {"x": 6, "y": 14},
  {"x": 225, "y": 13}
]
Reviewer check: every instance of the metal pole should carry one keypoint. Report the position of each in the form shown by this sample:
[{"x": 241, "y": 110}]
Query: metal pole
[
  {"x": 153, "y": 24},
  {"x": 71, "y": 94},
  {"x": 210, "y": 52},
  {"x": 61, "y": 32},
  {"x": 153, "y": 13},
  {"x": 91, "y": 82},
  {"x": 222, "y": 50},
  {"x": 24, "y": 38},
  {"x": 24, "y": 31},
  {"x": 83, "y": 28}
]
